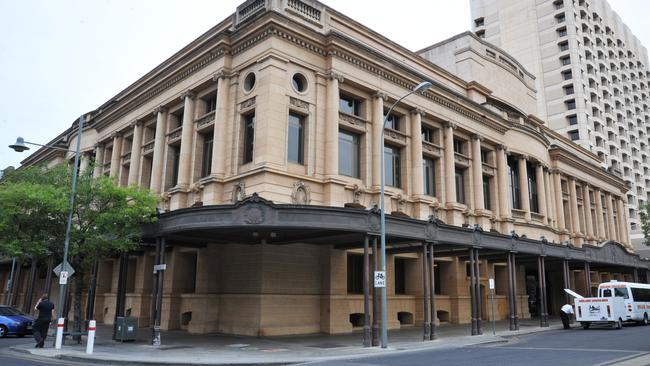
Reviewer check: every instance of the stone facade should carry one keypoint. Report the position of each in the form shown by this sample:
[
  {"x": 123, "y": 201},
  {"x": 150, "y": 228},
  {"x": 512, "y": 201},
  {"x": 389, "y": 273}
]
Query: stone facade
[{"x": 286, "y": 99}]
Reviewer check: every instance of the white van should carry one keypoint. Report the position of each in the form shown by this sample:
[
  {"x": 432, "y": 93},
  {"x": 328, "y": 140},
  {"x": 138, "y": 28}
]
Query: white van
[{"x": 617, "y": 302}]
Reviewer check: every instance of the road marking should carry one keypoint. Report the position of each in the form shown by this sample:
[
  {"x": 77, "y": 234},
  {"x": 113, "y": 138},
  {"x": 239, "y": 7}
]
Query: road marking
[
  {"x": 634, "y": 360},
  {"x": 572, "y": 349}
]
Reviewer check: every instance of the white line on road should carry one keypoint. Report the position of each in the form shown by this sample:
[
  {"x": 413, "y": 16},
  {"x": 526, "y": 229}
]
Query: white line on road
[{"x": 573, "y": 349}]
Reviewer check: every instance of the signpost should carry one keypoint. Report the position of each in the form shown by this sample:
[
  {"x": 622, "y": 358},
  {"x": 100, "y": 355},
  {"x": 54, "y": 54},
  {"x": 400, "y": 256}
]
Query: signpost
[
  {"x": 491, "y": 284},
  {"x": 63, "y": 277}
]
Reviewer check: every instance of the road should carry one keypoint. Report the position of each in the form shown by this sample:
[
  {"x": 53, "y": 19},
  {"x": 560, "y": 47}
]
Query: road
[
  {"x": 10, "y": 358},
  {"x": 573, "y": 347}
]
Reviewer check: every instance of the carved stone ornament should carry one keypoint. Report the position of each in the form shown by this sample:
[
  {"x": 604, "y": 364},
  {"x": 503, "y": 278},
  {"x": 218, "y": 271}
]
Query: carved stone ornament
[
  {"x": 254, "y": 215},
  {"x": 220, "y": 75},
  {"x": 374, "y": 222},
  {"x": 247, "y": 103},
  {"x": 301, "y": 193},
  {"x": 159, "y": 109},
  {"x": 238, "y": 192},
  {"x": 188, "y": 94},
  {"x": 336, "y": 76},
  {"x": 380, "y": 95},
  {"x": 431, "y": 229},
  {"x": 298, "y": 103},
  {"x": 401, "y": 203},
  {"x": 419, "y": 111},
  {"x": 357, "y": 192}
]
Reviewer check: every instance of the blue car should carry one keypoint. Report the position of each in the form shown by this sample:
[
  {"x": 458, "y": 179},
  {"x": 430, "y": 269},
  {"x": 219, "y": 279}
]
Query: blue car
[{"x": 14, "y": 322}]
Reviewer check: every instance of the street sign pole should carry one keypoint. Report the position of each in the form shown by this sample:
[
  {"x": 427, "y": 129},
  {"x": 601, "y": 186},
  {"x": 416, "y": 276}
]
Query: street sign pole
[{"x": 491, "y": 283}]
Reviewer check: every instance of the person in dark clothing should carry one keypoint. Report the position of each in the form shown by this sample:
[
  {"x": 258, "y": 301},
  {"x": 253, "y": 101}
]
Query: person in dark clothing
[
  {"x": 565, "y": 314},
  {"x": 42, "y": 323}
]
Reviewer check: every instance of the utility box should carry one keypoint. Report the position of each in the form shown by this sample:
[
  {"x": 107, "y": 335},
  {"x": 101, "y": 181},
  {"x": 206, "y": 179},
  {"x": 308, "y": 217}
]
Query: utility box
[{"x": 126, "y": 328}]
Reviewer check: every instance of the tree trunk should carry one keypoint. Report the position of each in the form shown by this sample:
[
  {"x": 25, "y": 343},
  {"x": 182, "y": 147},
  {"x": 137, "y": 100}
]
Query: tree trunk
[{"x": 78, "y": 291}]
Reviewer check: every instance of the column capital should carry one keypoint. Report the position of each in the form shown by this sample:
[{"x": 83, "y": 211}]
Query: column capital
[
  {"x": 135, "y": 123},
  {"x": 116, "y": 134},
  {"x": 419, "y": 111},
  {"x": 451, "y": 125},
  {"x": 189, "y": 93},
  {"x": 333, "y": 75},
  {"x": 539, "y": 164},
  {"x": 554, "y": 170},
  {"x": 502, "y": 147},
  {"x": 523, "y": 156},
  {"x": 159, "y": 109},
  {"x": 573, "y": 179},
  {"x": 477, "y": 136},
  {"x": 221, "y": 74},
  {"x": 99, "y": 145},
  {"x": 380, "y": 95}
]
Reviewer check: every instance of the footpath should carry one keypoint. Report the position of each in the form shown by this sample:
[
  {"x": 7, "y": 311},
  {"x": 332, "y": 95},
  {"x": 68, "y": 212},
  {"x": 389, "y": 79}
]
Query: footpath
[{"x": 181, "y": 348}]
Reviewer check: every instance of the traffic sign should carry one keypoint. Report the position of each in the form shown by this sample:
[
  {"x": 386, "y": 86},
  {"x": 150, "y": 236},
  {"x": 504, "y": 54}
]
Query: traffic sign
[
  {"x": 380, "y": 279},
  {"x": 63, "y": 277},
  {"x": 68, "y": 268}
]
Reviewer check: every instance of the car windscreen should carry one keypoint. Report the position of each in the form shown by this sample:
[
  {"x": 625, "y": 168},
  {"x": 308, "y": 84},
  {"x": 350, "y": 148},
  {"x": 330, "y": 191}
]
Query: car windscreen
[{"x": 6, "y": 311}]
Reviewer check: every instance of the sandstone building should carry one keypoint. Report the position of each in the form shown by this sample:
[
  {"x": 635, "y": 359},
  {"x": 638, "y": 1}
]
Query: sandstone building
[
  {"x": 262, "y": 139},
  {"x": 591, "y": 76}
]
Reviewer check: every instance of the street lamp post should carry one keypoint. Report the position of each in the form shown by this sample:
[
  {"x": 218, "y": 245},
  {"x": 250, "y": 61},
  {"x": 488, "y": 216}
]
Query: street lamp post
[
  {"x": 384, "y": 329},
  {"x": 20, "y": 146}
]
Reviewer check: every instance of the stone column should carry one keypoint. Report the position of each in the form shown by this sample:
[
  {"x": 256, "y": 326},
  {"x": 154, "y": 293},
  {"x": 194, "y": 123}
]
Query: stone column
[
  {"x": 377, "y": 127},
  {"x": 586, "y": 203},
  {"x": 416, "y": 152},
  {"x": 541, "y": 192},
  {"x": 158, "y": 149},
  {"x": 573, "y": 200},
  {"x": 622, "y": 223},
  {"x": 502, "y": 177},
  {"x": 136, "y": 153},
  {"x": 187, "y": 135},
  {"x": 332, "y": 125},
  {"x": 550, "y": 198},
  {"x": 523, "y": 186},
  {"x": 221, "y": 118},
  {"x": 116, "y": 155},
  {"x": 98, "y": 169},
  {"x": 611, "y": 229},
  {"x": 559, "y": 206},
  {"x": 83, "y": 162},
  {"x": 450, "y": 165},
  {"x": 477, "y": 174},
  {"x": 600, "y": 222}
]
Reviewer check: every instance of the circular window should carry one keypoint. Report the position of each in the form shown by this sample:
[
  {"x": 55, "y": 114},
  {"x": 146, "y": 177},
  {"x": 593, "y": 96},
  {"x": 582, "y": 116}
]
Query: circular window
[
  {"x": 299, "y": 82},
  {"x": 249, "y": 82}
]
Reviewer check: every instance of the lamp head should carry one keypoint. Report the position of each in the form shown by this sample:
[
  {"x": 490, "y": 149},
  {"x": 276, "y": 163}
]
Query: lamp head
[
  {"x": 19, "y": 146},
  {"x": 422, "y": 86}
]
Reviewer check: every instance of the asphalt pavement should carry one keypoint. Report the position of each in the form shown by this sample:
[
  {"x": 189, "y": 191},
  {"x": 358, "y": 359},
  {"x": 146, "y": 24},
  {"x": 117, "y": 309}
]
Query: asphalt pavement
[
  {"x": 629, "y": 346},
  {"x": 9, "y": 358}
]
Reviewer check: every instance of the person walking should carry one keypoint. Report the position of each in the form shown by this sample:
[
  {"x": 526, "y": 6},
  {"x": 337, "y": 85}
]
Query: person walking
[
  {"x": 565, "y": 313},
  {"x": 42, "y": 323}
]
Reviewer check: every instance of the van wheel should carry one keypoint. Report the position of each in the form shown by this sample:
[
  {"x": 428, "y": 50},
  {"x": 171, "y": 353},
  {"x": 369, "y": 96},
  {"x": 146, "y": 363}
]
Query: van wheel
[
  {"x": 585, "y": 325},
  {"x": 645, "y": 319},
  {"x": 619, "y": 324}
]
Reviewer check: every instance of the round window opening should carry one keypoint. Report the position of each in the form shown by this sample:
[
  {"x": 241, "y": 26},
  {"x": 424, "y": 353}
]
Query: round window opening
[
  {"x": 249, "y": 82},
  {"x": 299, "y": 82}
]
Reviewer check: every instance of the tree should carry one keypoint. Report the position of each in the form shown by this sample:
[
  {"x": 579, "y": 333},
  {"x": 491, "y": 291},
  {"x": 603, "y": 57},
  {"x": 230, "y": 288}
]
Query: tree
[
  {"x": 644, "y": 214},
  {"x": 107, "y": 219}
]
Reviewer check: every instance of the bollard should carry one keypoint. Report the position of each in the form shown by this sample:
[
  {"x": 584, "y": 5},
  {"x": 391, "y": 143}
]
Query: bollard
[
  {"x": 90, "y": 342},
  {"x": 59, "y": 333}
]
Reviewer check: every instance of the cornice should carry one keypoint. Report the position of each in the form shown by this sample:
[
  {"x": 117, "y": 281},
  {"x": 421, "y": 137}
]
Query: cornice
[{"x": 559, "y": 154}]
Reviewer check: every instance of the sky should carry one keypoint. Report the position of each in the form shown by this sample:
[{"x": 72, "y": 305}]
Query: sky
[{"x": 59, "y": 59}]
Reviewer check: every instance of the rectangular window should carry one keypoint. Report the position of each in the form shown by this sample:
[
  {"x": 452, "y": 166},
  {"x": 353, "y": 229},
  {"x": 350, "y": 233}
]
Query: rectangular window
[
  {"x": 429, "y": 172},
  {"x": 349, "y": 105},
  {"x": 210, "y": 104},
  {"x": 561, "y": 32},
  {"x": 296, "y": 138},
  {"x": 176, "y": 158},
  {"x": 570, "y": 104},
  {"x": 574, "y": 135},
  {"x": 532, "y": 190},
  {"x": 567, "y": 75},
  {"x": 568, "y": 90},
  {"x": 392, "y": 121},
  {"x": 459, "y": 146},
  {"x": 355, "y": 274},
  {"x": 513, "y": 184},
  {"x": 427, "y": 134},
  {"x": 479, "y": 22},
  {"x": 560, "y": 18},
  {"x": 206, "y": 161},
  {"x": 349, "y": 154},
  {"x": 249, "y": 137},
  {"x": 392, "y": 166},
  {"x": 565, "y": 60},
  {"x": 573, "y": 120},
  {"x": 564, "y": 46},
  {"x": 487, "y": 201},
  {"x": 460, "y": 185}
]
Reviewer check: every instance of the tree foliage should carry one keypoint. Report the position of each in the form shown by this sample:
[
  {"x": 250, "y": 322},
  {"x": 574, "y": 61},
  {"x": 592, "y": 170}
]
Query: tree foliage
[
  {"x": 34, "y": 208},
  {"x": 644, "y": 214}
]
